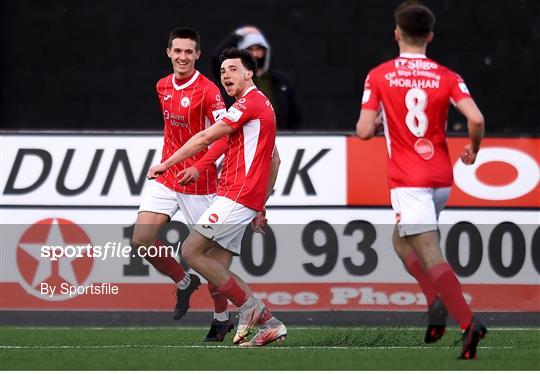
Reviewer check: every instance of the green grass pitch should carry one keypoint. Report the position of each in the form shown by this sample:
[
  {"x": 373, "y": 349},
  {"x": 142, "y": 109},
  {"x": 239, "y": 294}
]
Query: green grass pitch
[{"x": 338, "y": 348}]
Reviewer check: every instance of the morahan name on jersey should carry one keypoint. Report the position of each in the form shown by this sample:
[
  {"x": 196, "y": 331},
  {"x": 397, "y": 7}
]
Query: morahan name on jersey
[
  {"x": 188, "y": 107},
  {"x": 413, "y": 94},
  {"x": 246, "y": 167}
]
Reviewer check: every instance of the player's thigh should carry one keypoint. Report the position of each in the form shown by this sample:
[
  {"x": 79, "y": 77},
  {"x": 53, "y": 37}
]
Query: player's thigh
[
  {"x": 440, "y": 198},
  {"x": 193, "y": 206},
  {"x": 158, "y": 205},
  {"x": 426, "y": 246},
  {"x": 147, "y": 227},
  {"x": 225, "y": 222},
  {"x": 158, "y": 198},
  {"x": 196, "y": 245},
  {"x": 414, "y": 209},
  {"x": 401, "y": 246}
]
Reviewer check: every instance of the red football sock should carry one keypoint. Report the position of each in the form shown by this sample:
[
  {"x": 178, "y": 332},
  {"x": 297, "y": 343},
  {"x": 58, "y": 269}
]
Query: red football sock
[
  {"x": 234, "y": 293},
  {"x": 412, "y": 264},
  {"x": 220, "y": 300},
  {"x": 449, "y": 288},
  {"x": 168, "y": 266},
  {"x": 265, "y": 317}
]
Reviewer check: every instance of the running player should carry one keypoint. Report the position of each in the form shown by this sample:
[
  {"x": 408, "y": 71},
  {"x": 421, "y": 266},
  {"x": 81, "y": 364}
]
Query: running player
[
  {"x": 245, "y": 178},
  {"x": 413, "y": 93},
  {"x": 190, "y": 102}
]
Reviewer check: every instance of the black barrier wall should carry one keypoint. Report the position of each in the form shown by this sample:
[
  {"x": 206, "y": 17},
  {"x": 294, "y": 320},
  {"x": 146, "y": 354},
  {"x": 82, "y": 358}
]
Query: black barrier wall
[{"x": 94, "y": 64}]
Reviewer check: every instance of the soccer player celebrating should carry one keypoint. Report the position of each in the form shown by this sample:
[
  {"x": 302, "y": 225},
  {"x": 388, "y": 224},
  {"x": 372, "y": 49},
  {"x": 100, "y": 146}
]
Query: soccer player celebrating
[
  {"x": 245, "y": 178},
  {"x": 413, "y": 93},
  {"x": 190, "y": 102}
]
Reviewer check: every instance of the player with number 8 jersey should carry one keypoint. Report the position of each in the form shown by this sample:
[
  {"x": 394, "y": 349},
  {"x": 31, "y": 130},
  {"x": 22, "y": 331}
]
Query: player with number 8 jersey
[{"x": 414, "y": 91}]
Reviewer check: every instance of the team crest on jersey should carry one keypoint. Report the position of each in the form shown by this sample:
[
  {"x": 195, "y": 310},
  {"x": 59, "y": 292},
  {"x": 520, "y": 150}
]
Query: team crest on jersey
[
  {"x": 242, "y": 100},
  {"x": 213, "y": 218},
  {"x": 185, "y": 102},
  {"x": 218, "y": 97}
]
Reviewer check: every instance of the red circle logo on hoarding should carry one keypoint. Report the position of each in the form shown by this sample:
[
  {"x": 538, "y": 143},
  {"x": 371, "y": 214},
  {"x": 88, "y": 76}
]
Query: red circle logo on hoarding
[{"x": 52, "y": 253}]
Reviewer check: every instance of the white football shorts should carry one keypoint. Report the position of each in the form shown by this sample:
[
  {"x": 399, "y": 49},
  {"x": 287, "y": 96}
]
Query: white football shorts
[
  {"x": 161, "y": 199},
  {"x": 225, "y": 222},
  {"x": 417, "y": 209}
]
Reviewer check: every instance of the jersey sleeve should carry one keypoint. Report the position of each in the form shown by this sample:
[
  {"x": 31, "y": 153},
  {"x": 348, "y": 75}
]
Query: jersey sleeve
[
  {"x": 239, "y": 113},
  {"x": 458, "y": 89},
  {"x": 215, "y": 106},
  {"x": 216, "y": 150},
  {"x": 371, "y": 98}
]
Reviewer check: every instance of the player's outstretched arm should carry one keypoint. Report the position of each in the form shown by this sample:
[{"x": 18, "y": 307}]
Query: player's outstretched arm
[
  {"x": 367, "y": 124},
  {"x": 475, "y": 128},
  {"x": 195, "y": 144},
  {"x": 191, "y": 174}
]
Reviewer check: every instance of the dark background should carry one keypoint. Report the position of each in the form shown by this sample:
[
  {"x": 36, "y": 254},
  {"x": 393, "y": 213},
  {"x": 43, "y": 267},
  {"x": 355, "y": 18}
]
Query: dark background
[{"x": 82, "y": 64}]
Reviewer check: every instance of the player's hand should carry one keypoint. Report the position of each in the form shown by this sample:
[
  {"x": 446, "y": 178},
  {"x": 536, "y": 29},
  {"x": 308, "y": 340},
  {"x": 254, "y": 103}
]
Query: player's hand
[
  {"x": 259, "y": 222},
  {"x": 188, "y": 176},
  {"x": 468, "y": 156},
  {"x": 155, "y": 171}
]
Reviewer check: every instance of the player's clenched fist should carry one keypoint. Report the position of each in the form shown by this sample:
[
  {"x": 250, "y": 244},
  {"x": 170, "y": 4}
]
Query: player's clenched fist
[
  {"x": 468, "y": 156},
  {"x": 156, "y": 170},
  {"x": 188, "y": 176}
]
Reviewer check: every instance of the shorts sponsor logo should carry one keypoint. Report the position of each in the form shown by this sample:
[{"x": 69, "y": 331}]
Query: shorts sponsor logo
[{"x": 213, "y": 218}]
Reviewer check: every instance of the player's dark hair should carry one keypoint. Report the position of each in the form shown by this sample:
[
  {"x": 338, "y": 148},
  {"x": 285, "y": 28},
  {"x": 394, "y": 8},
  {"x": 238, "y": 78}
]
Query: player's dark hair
[
  {"x": 185, "y": 33},
  {"x": 415, "y": 20},
  {"x": 242, "y": 54}
]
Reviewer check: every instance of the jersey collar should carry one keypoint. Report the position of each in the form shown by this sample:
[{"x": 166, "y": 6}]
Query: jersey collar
[
  {"x": 249, "y": 89},
  {"x": 412, "y": 55},
  {"x": 187, "y": 84}
]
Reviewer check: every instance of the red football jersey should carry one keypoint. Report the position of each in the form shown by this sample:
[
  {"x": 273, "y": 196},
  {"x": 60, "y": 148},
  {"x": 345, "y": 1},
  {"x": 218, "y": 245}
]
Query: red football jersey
[
  {"x": 413, "y": 93},
  {"x": 188, "y": 108},
  {"x": 246, "y": 167}
]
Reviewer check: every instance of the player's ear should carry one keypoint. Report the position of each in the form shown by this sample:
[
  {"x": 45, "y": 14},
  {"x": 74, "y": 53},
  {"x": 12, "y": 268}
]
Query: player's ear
[
  {"x": 430, "y": 37},
  {"x": 168, "y": 52},
  {"x": 397, "y": 34},
  {"x": 197, "y": 54},
  {"x": 249, "y": 74}
]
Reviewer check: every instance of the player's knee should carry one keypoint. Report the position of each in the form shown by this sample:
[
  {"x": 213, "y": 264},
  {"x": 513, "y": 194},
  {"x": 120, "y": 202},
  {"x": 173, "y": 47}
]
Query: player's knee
[{"x": 189, "y": 253}]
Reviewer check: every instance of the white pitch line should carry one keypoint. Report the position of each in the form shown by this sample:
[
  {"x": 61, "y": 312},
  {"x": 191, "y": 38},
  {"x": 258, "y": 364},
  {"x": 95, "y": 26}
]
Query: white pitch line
[
  {"x": 363, "y": 348},
  {"x": 354, "y": 328}
]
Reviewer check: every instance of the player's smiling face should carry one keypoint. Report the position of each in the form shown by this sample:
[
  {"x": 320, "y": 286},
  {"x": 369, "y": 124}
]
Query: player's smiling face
[
  {"x": 183, "y": 54},
  {"x": 235, "y": 77}
]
